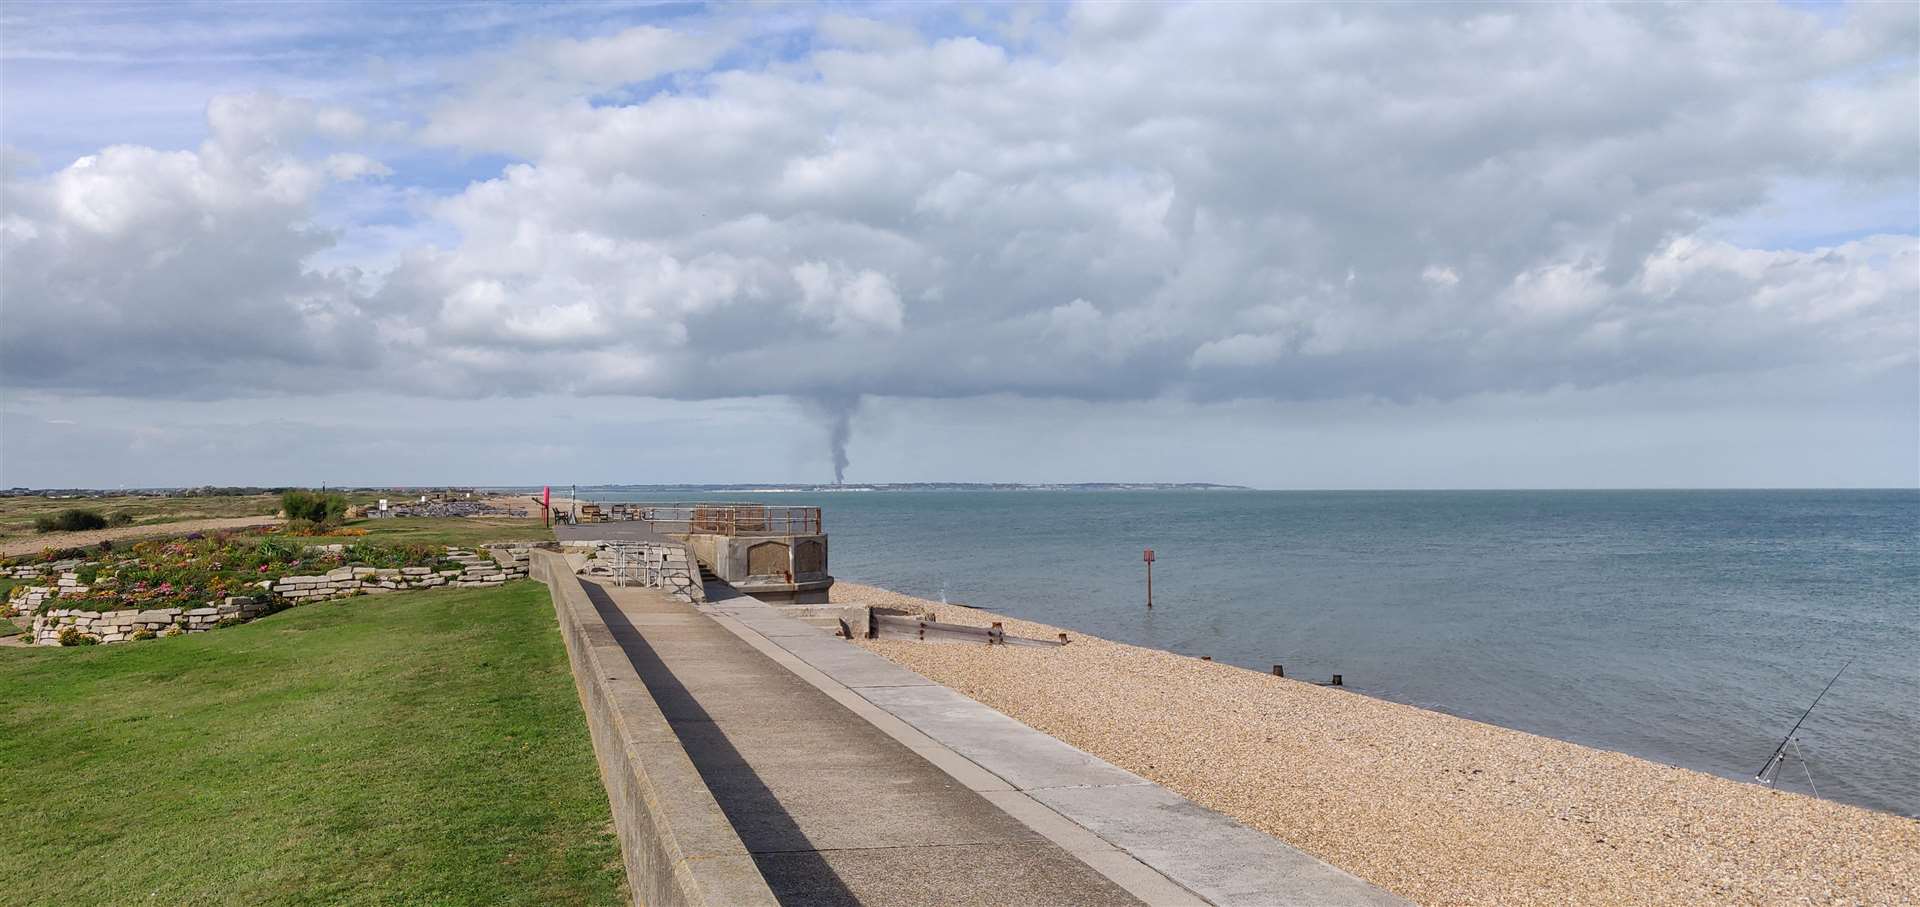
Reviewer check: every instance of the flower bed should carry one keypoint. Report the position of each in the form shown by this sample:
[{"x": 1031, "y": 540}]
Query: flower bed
[{"x": 200, "y": 582}]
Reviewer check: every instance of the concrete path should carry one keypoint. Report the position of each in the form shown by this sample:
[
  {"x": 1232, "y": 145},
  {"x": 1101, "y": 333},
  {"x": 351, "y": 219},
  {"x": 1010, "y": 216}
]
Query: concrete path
[
  {"x": 612, "y": 531},
  {"x": 1161, "y": 846},
  {"x": 832, "y": 809}
]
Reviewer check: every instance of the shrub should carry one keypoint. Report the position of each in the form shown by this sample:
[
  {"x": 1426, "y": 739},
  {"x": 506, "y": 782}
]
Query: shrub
[
  {"x": 120, "y": 518},
  {"x": 72, "y": 636},
  {"x": 313, "y": 507},
  {"x": 72, "y": 520},
  {"x": 278, "y": 549},
  {"x": 143, "y": 633},
  {"x": 174, "y": 631}
]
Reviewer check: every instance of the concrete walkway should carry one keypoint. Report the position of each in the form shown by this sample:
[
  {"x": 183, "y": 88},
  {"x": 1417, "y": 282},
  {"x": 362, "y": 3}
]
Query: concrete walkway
[
  {"x": 1161, "y": 846},
  {"x": 832, "y": 809}
]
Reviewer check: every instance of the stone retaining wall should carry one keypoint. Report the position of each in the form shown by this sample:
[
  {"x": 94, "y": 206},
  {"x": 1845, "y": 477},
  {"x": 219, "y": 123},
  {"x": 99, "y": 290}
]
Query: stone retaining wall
[
  {"x": 476, "y": 571},
  {"x": 119, "y": 626}
]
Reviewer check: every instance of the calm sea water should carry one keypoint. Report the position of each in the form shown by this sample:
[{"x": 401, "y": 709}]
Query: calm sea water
[{"x": 1689, "y": 628}]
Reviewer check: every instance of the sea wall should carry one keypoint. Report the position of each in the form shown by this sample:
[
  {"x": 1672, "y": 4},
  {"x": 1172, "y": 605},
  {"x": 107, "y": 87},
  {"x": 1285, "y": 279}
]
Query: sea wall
[{"x": 676, "y": 842}]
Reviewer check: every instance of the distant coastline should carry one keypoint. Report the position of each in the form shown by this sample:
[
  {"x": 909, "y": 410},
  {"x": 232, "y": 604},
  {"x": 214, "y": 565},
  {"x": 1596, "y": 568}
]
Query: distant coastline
[{"x": 830, "y": 488}]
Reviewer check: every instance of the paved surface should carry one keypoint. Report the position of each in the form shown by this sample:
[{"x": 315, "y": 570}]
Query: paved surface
[
  {"x": 833, "y": 810},
  {"x": 617, "y": 530},
  {"x": 1134, "y": 830}
]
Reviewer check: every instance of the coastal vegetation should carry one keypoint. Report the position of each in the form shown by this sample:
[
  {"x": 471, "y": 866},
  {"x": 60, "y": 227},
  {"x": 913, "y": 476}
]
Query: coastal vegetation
[
  {"x": 420, "y": 747},
  {"x": 77, "y": 520},
  {"x": 313, "y": 508},
  {"x": 457, "y": 531},
  {"x": 22, "y": 515},
  {"x": 189, "y": 572}
]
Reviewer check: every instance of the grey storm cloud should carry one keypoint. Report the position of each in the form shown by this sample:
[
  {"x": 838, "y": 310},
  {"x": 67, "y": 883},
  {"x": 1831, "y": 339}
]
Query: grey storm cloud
[{"x": 1131, "y": 201}]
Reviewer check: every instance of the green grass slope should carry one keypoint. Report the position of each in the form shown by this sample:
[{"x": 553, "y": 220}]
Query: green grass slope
[{"x": 416, "y": 748}]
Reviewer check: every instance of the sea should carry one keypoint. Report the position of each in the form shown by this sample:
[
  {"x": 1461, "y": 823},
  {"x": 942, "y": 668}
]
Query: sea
[{"x": 1690, "y": 628}]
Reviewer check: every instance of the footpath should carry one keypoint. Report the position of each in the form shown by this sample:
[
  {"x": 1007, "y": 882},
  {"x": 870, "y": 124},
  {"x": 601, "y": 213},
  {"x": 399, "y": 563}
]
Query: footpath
[{"x": 756, "y": 759}]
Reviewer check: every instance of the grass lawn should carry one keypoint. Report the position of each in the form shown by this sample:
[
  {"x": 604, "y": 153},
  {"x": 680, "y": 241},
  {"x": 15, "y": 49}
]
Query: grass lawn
[
  {"x": 465, "y": 531},
  {"x": 415, "y": 748}
]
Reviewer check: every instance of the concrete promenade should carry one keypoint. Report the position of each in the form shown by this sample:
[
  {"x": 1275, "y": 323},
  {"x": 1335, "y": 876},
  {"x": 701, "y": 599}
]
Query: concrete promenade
[
  {"x": 1162, "y": 847},
  {"x": 831, "y": 809}
]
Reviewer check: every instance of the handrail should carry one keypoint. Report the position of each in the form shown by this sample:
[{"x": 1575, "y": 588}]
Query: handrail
[{"x": 711, "y": 518}]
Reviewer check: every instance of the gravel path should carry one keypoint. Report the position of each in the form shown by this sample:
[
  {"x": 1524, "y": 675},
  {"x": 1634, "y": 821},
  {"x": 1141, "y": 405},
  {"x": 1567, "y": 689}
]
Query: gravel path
[
  {"x": 1439, "y": 809},
  {"x": 32, "y": 543}
]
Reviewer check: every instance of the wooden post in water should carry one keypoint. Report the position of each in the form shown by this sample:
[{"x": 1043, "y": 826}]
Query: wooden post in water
[
  {"x": 1336, "y": 681},
  {"x": 1279, "y": 671},
  {"x": 1148, "y": 557}
]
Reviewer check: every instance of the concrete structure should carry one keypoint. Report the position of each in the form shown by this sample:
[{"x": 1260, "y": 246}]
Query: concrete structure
[
  {"x": 842, "y": 778},
  {"x": 1161, "y": 846},
  {"x": 677, "y": 843},
  {"x": 694, "y": 726},
  {"x": 783, "y": 568},
  {"x": 774, "y": 552}
]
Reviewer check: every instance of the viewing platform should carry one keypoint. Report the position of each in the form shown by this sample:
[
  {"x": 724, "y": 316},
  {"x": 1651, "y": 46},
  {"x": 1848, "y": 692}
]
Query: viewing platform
[{"x": 774, "y": 553}]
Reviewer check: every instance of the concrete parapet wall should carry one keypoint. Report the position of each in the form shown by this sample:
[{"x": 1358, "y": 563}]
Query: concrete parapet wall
[
  {"x": 772, "y": 567},
  {"x": 678, "y": 846}
]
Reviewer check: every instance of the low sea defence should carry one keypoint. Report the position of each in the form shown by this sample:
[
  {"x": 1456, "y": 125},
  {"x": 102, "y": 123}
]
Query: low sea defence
[
  {"x": 60, "y": 625},
  {"x": 1433, "y": 807}
]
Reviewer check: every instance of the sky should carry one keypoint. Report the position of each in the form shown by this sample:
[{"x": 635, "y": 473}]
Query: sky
[{"x": 1280, "y": 245}]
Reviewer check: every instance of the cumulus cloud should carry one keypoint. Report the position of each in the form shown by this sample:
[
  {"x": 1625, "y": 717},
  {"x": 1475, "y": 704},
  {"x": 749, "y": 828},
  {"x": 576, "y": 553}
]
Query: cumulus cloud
[
  {"x": 165, "y": 273},
  {"x": 1127, "y": 201}
]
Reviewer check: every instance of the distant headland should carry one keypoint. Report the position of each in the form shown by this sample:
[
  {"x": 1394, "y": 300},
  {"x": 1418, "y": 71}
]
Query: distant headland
[{"x": 777, "y": 488}]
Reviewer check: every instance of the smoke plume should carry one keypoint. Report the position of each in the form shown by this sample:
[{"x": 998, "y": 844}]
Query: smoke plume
[{"x": 837, "y": 411}]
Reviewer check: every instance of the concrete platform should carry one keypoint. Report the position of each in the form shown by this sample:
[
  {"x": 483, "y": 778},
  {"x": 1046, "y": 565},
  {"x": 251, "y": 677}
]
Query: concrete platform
[
  {"x": 1161, "y": 846},
  {"x": 610, "y": 531},
  {"x": 831, "y": 809}
]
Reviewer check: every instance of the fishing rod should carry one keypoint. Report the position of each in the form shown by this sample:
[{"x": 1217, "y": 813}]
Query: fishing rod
[{"x": 1780, "y": 752}]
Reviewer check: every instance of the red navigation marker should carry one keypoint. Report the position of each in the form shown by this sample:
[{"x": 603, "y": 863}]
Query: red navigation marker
[{"x": 1148, "y": 557}]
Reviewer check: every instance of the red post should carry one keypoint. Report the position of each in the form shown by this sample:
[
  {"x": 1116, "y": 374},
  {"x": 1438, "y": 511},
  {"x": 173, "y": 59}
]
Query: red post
[
  {"x": 546, "y": 507},
  {"x": 1148, "y": 557}
]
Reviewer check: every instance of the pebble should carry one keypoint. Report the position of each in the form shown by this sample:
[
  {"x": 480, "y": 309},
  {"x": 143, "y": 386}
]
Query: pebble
[{"x": 1436, "y": 808}]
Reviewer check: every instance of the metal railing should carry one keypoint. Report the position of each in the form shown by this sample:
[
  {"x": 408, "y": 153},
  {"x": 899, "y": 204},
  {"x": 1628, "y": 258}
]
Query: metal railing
[{"x": 715, "y": 519}]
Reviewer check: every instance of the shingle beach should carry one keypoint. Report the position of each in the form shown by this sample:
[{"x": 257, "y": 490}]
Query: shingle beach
[{"x": 1439, "y": 809}]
